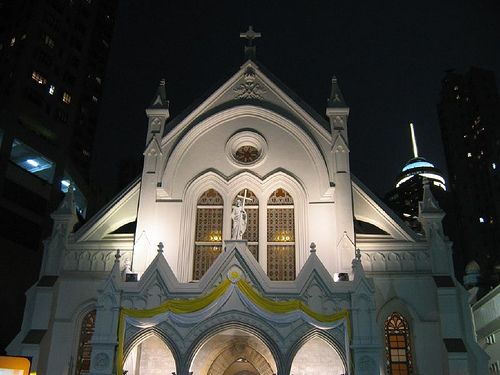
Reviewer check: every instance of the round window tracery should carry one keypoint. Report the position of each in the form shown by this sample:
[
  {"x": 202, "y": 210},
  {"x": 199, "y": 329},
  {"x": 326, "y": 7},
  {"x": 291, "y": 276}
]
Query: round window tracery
[
  {"x": 246, "y": 148},
  {"x": 246, "y": 154}
]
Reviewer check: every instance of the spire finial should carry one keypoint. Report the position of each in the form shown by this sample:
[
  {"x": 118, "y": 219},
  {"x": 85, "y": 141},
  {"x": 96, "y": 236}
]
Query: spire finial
[
  {"x": 312, "y": 247},
  {"x": 336, "y": 98},
  {"x": 160, "y": 247},
  {"x": 250, "y": 35},
  {"x": 413, "y": 141}
]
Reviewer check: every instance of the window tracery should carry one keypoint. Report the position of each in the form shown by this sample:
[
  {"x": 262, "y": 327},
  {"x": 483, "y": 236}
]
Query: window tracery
[
  {"x": 84, "y": 346},
  {"x": 397, "y": 345},
  {"x": 208, "y": 233},
  {"x": 280, "y": 236}
]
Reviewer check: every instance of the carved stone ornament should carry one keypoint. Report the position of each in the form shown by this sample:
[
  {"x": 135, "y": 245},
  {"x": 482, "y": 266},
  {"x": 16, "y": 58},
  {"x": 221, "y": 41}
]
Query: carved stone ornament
[
  {"x": 249, "y": 89},
  {"x": 101, "y": 361}
]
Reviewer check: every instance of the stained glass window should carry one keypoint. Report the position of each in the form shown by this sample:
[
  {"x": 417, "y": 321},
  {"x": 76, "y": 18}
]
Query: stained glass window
[
  {"x": 84, "y": 347},
  {"x": 397, "y": 345},
  {"x": 252, "y": 231},
  {"x": 208, "y": 234},
  {"x": 280, "y": 236}
]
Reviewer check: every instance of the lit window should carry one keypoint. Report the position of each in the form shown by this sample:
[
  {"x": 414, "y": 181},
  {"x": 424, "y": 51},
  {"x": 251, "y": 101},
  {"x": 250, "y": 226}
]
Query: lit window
[
  {"x": 13, "y": 41},
  {"x": 38, "y": 78},
  {"x": 493, "y": 165},
  {"x": 98, "y": 79},
  {"x": 66, "y": 98},
  {"x": 397, "y": 345},
  {"x": 94, "y": 99},
  {"x": 23, "y": 36},
  {"x": 280, "y": 236},
  {"x": 49, "y": 41},
  {"x": 457, "y": 97},
  {"x": 84, "y": 346},
  {"x": 481, "y": 219},
  {"x": 469, "y": 154},
  {"x": 208, "y": 234},
  {"x": 52, "y": 89},
  {"x": 455, "y": 88},
  {"x": 32, "y": 161}
]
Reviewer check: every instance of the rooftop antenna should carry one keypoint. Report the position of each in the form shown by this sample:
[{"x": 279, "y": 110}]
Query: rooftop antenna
[{"x": 413, "y": 141}]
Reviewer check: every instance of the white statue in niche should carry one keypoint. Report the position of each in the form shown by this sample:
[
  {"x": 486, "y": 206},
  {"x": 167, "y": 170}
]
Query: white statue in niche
[{"x": 239, "y": 217}]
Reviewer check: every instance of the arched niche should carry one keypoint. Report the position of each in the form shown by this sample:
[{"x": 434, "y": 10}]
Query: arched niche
[
  {"x": 316, "y": 356},
  {"x": 233, "y": 351},
  {"x": 149, "y": 356}
]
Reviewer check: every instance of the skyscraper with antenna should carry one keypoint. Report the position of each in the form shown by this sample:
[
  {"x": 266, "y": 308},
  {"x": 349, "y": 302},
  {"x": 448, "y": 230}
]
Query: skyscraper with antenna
[{"x": 404, "y": 198}]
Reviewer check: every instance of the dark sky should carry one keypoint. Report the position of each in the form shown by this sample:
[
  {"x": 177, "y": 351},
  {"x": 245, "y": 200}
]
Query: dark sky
[{"x": 389, "y": 57}]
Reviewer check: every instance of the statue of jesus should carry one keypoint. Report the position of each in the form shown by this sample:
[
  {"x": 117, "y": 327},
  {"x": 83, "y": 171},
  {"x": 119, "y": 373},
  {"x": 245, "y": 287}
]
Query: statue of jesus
[{"x": 239, "y": 217}]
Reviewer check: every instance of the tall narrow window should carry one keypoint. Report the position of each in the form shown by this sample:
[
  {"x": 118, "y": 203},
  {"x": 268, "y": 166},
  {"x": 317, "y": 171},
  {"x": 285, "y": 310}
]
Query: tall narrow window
[
  {"x": 280, "y": 236},
  {"x": 84, "y": 347},
  {"x": 397, "y": 345},
  {"x": 208, "y": 234},
  {"x": 252, "y": 230}
]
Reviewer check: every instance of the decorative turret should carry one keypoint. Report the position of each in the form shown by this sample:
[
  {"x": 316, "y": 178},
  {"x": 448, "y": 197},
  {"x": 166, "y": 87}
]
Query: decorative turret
[
  {"x": 157, "y": 113},
  {"x": 338, "y": 112},
  {"x": 65, "y": 219},
  {"x": 430, "y": 214}
]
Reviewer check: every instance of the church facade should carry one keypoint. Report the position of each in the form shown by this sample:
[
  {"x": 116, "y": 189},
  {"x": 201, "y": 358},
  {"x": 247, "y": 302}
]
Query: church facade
[{"x": 316, "y": 277}]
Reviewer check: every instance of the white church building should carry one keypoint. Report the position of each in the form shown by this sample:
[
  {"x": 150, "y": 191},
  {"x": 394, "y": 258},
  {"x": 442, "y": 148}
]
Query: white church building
[{"x": 247, "y": 247}]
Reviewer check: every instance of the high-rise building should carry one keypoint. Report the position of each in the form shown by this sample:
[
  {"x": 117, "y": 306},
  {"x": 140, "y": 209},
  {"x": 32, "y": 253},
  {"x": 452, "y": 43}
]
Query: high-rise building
[
  {"x": 469, "y": 116},
  {"x": 404, "y": 198},
  {"x": 53, "y": 57}
]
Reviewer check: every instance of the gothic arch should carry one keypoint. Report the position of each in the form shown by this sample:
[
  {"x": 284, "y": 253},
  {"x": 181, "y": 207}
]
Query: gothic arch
[
  {"x": 229, "y": 187},
  {"x": 171, "y": 164},
  {"x": 312, "y": 335},
  {"x": 230, "y": 355},
  {"x": 144, "y": 334},
  {"x": 235, "y": 320}
]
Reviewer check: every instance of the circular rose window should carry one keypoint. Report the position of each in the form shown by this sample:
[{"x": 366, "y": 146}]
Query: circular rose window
[
  {"x": 246, "y": 154},
  {"x": 246, "y": 148}
]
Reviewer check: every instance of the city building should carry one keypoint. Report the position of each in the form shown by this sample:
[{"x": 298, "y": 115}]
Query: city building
[
  {"x": 246, "y": 246},
  {"x": 53, "y": 57},
  {"x": 469, "y": 116},
  {"x": 408, "y": 192}
]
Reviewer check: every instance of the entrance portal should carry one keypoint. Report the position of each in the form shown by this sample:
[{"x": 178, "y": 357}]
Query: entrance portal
[
  {"x": 234, "y": 352},
  {"x": 150, "y": 357}
]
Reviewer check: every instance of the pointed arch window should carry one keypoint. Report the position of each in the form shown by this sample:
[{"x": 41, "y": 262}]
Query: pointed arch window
[
  {"x": 208, "y": 233},
  {"x": 84, "y": 346},
  {"x": 280, "y": 236},
  {"x": 397, "y": 345},
  {"x": 252, "y": 230}
]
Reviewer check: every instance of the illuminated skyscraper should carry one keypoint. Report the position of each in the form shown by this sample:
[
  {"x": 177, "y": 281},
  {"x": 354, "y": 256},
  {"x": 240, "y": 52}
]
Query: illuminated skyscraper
[{"x": 404, "y": 198}]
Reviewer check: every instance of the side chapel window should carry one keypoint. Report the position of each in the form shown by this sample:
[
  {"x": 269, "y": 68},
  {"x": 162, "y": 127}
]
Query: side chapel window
[
  {"x": 208, "y": 235},
  {"x": 84, "y": 347},
  {"x": 397, "y": 345},
  {"x": 280, "y": 236},
  {"x": 252, "y": 230}
]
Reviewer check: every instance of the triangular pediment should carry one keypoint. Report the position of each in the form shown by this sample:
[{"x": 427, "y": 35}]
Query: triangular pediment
[{"x": 251, "y": 85}]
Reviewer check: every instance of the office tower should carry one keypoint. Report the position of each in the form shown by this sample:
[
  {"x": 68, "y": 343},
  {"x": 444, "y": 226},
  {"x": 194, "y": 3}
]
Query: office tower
[{"x": 53, "y": 57}]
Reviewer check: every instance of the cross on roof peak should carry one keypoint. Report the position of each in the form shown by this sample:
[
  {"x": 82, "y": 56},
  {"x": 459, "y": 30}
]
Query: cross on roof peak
[{"x": 250, "y": 35}]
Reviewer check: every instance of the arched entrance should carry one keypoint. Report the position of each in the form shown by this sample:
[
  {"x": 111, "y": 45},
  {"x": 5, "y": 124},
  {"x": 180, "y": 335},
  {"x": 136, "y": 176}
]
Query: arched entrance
[
  {"x": 149, "y": 357},
  {"x": 233, "y": 351},
  {"x": 316, "y": 357}
]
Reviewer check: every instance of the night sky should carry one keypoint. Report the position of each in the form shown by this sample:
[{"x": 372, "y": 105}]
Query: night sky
[{"x": 389, "y": 57}]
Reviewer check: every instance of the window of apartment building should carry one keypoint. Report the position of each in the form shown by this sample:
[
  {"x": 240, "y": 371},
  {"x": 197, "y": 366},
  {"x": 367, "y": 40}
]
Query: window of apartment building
[
  {"x": 62, "y": 116},
  {"x": 80, "y": 200},
  {"x": 38, "y": 78},
  {"x": 49, "y": 41},
  {"x": 32, "y": 161},
  {"x": 66, "y": 98}
]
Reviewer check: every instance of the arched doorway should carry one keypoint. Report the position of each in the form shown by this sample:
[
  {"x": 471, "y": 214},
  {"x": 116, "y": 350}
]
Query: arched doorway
[
  {"x": 233, "y": 351},
  {"x": 316, "y": 357},
  {"x": 150, "y": 357}
]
